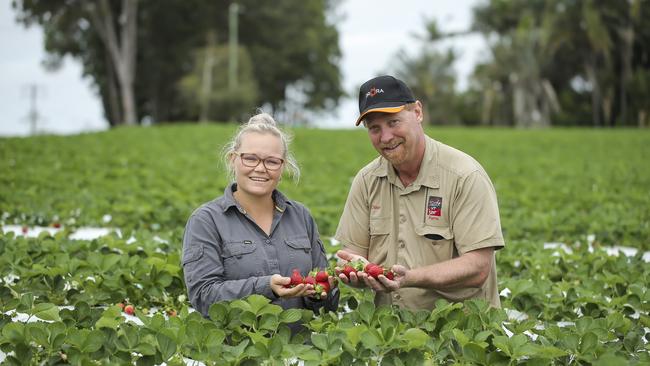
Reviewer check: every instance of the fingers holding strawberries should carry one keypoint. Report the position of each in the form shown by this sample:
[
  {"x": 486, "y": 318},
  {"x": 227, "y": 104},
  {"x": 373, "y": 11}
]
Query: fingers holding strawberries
[
  {"x": 317, "y": 284},
  {"x": 284, "y": 287},
  {"x": 361, "y": 272}
]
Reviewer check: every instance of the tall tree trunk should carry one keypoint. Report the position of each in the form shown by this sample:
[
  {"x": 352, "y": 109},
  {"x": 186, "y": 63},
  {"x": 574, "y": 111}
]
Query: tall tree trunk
[
  {"x": 590, "y": 68},
  {"x": 206, "y": 76},
  {"x": 113, "y": 108},
  {"x": 627, "y": 35},
  {"x": 122, "y": 53}
]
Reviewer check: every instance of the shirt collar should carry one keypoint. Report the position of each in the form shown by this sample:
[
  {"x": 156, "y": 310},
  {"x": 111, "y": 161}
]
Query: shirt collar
[
  {"x": 428, "y": 175},
  {"x": 228, "y": 199}
]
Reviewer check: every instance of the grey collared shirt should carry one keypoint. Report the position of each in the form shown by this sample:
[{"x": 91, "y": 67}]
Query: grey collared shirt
[{"x": 227, "y": 256}]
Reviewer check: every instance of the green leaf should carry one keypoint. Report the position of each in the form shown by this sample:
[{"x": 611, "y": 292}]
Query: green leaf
[
  {"x": 247, "y": 318},
  {"x": 128, "y": 338},
  {"x": 366, "y": 310},
  {"x": 275, "y": 347},
  {"x": 460, "y": 337},
  {"x": 415, "y": 338},
  {"x": 15, "y": 332},
  {"x": 269, "y": 322},
  {"x": 166, "y": 346},
  {"x": 87, "y": 341},
  {"x": 257, "y": 302},
  {"x": 588, "y": 343},
  {"x": 290, "y": 315},
  {"x": 474, "y": 353},
  {"x": 370, "y": 339},
  {"x": 111, "y": 318},
  {"x": 320, "y": 341},
  {"x": 46, "y": 311}
]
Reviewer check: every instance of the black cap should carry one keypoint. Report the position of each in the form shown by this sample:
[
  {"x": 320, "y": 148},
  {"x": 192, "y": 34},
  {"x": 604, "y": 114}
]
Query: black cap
[{"x": 383, "y": 94}]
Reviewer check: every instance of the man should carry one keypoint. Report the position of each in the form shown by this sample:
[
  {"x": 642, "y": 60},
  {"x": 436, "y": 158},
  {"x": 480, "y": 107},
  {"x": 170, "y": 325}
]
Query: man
[{"x": 424, "y": 209}]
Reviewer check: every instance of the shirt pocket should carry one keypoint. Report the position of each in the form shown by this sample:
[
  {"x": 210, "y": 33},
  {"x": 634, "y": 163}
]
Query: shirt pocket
[
  {"x": 240, "y": 259},
  {"x": 379, "y": 230},
  {"x": 299, "y": 249},
  {"x": 441, "y": 240},
  {"x": 192, "y": 254}
]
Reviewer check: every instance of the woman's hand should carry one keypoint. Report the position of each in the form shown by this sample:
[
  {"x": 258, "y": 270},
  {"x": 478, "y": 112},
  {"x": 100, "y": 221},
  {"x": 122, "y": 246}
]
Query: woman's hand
[{"x": 278, "y": 282}]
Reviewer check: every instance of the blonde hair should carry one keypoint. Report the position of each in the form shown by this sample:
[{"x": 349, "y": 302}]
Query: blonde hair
[{"x": 261, "y": 123}]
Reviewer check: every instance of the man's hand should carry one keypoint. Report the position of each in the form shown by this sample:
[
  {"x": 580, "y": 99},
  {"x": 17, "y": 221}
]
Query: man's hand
[
  {"x": 346, "y": 256},
  {"x": 278, "y": 282},
  {"x": 383, "y": 284}
]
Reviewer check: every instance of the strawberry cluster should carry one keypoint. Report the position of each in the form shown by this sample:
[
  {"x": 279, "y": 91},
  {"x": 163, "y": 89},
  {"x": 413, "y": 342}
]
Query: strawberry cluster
[
  {"x": 127, "y": 308},
  {"x": 317, "y": 278},
  {"x": 372, "y": 269}
]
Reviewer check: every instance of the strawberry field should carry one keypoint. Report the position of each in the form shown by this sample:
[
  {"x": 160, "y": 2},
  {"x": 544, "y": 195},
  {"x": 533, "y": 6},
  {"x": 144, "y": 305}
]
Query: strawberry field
[{"x": 574, "y": 275}]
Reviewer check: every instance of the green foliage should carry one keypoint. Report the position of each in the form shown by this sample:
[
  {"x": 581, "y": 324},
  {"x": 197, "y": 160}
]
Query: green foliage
[
  {"x": 299, "y": 49},
  {"x": 579, "y": 306},
  {"x": 221, "y": 102}
]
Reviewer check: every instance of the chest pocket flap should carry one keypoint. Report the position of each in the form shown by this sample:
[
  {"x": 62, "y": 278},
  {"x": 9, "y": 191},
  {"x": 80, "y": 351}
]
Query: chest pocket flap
[
  {"x": 380, "y": 225},
  {"x": 435, "y": 232},
  {"x": 238, "y": 248},
  {"x": 299, "y": 243}
]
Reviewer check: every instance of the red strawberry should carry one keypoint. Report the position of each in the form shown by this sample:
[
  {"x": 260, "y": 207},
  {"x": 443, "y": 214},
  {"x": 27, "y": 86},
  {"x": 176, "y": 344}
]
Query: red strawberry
[
  {"x": 121, "y": 305},
  {"x": 172, "y": 312},
  {"x": 56, "y": 225},
  {"x": 348, "y": 269},
  {"x": 25, "y": 229},
  {"x": 129, "y": 309},
  {"x": 321, "y": 276},
  {"x": 389, "y": 274},
  {"x": 296, "y": 279},
  {"x": 309, "y": 280},
  {"x": 323, "y": 286},
  {"x": 374, "y": 270}
]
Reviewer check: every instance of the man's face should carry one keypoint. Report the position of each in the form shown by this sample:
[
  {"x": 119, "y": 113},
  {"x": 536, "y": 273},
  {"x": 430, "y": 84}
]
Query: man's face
[{"x": 397, "y": 136}]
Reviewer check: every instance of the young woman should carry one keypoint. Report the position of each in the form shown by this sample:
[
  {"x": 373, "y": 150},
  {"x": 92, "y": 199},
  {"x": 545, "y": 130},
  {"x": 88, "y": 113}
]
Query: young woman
[{"x": 250, "y": 240}]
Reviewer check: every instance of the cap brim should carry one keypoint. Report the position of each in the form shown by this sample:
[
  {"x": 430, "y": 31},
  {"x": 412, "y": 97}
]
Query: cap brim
[{"x": 380, "y": 109}]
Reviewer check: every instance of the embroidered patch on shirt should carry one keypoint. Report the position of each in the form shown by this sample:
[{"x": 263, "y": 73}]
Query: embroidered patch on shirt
[{"x": 434, "y": 207}]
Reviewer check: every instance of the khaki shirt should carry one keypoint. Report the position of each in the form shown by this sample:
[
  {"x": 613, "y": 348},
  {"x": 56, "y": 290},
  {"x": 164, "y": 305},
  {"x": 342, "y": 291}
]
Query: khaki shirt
[{"x": 450, "y": 209}]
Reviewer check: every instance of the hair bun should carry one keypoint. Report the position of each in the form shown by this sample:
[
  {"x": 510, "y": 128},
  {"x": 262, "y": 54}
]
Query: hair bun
[{"x": 262, "y": 119}]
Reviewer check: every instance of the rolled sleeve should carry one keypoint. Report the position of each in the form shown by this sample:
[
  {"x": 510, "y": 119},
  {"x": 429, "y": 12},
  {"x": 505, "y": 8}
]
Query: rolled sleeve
[
  {"x": 353, "y": 226},
  {"x": 476, "y": 221}
]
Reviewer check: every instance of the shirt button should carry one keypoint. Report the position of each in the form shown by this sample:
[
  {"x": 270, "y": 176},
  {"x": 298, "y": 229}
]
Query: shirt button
[
  {"x": 267, "y": 241},
  {"x": 401, "y": 243},
  {"x": 397, "y": 296},
  {"x": 402, "y": 219}
]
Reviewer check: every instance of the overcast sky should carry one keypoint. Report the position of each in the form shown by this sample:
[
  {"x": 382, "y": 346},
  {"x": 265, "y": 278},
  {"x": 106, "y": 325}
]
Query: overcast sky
[{"x": 371, "y": 32}]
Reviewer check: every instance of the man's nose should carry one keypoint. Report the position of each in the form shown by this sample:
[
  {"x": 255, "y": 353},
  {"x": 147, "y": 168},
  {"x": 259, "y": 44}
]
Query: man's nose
[{"x": 386, "y": 135}]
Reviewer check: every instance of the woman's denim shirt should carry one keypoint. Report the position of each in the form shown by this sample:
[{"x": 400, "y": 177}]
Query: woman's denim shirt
[{"x": 227, "y": 256}]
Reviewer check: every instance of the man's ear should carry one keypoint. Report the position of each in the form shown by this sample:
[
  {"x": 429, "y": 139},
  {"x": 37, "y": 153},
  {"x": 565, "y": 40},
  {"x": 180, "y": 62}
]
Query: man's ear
[{"x": 419, "y": 112}]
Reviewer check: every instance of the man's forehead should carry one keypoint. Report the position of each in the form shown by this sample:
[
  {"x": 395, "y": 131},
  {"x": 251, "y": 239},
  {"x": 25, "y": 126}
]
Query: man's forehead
[{"x": 377, "y": 117}]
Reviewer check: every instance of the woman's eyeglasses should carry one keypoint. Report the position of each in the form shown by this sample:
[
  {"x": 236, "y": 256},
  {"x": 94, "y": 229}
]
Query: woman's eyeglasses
[{"x": 251, "y": 160}]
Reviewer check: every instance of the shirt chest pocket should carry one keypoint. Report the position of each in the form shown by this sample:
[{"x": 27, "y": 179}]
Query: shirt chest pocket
[
  {"x": 440, "y": 240},
  {"x": 299, "y": 249},
  {"x": 240, "y": 259}
]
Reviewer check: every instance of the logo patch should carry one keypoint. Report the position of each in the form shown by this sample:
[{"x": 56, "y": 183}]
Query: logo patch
[
  {"x": 374, "y": 91},
  {"x": 434, "y": 207}
]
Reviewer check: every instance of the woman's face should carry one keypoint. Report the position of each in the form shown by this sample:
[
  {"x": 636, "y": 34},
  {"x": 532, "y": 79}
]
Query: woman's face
[{"x": 266, "y": 150}]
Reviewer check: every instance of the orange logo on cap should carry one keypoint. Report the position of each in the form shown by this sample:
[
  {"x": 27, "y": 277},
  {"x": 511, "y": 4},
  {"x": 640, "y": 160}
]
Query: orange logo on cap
[{"x": 374, "y": 91}]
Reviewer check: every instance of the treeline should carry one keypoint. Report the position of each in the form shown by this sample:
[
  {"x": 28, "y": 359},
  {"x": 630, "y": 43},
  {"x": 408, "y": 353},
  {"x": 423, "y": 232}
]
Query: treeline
[
  {"x": 552, "y": 62},
  {"x": 173, "y": 60}
]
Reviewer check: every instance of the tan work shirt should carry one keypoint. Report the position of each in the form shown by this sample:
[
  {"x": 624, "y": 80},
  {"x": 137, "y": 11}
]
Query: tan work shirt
[{"x": 450, "y": 209}]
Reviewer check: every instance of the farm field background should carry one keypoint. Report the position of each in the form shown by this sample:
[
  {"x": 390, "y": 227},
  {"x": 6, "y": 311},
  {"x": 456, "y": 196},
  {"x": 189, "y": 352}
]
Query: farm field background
[{"x": 567, "y": 302}]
